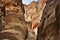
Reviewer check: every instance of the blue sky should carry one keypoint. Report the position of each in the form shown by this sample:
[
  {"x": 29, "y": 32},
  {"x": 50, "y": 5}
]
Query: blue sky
[{"x": 27, "y": 1}]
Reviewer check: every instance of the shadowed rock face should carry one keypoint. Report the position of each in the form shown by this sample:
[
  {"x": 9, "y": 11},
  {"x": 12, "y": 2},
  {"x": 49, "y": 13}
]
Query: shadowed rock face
[
  {"x": 14, "y": 27},
  {"x": 50, "y": 25}
]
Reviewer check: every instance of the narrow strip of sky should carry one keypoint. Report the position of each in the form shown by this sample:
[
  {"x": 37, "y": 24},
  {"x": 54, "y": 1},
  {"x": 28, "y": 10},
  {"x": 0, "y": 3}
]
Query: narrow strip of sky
[{"x": 27, "y": 1}]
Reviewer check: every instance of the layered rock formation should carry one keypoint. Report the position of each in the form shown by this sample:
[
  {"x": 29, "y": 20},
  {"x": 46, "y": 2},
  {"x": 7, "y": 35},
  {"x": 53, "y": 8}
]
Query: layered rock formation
[
  {"x": 32, "y": 16},
  {"x": 13, "y": 25},
  {"x": 20, "y": 22},
  {"x": 49, "y": 28}
]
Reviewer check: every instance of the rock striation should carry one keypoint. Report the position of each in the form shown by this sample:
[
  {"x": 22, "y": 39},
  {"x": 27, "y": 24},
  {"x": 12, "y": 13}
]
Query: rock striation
[
  {"x": 49, "y": 28},
  {"x": 13, "y": 24}
]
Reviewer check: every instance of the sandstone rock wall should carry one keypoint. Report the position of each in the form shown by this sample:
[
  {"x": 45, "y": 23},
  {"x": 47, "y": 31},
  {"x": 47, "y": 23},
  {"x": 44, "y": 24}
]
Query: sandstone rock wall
[
  {"x": 20, "y": 22},
  {"x": 49, "y": 28},
  {"x": 32, "y": 16},
  {"x": 13, "y": 25}
]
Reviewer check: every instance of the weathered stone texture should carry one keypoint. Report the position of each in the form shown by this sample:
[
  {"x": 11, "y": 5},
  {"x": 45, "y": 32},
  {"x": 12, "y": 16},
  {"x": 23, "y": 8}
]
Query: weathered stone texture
[
  {"x": 13, "y": 24},
  {"x": 32, "y": 16},
  {"x": 49, "y": 28}
]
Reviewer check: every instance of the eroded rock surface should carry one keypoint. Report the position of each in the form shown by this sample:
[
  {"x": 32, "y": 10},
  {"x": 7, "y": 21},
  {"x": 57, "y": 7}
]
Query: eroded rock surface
[
  {"x": 31, "y": 15},
  {"x": 14, "y": 27},
  {"x": 50, "y": 25}
]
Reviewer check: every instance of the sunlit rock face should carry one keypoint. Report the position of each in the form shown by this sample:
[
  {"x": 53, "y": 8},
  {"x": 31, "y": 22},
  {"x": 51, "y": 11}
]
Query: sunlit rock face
[
  {"x": 14, "y": 27},
  {"x": 31, "y": 15},
  {"x": 41, "y": 5},
  {"x": 29, "y": 12}
]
